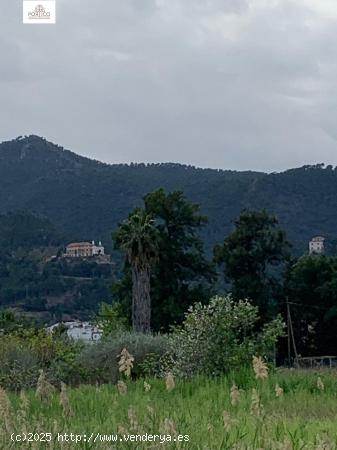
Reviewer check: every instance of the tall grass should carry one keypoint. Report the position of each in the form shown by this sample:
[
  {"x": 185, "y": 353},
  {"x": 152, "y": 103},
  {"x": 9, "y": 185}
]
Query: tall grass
[{"x": 302, "y": 416}]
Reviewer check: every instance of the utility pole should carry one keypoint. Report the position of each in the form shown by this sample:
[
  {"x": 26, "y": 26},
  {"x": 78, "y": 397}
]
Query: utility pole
[
  {"x": 288, "y": 333},
  {"x": 291, "y": 336}
]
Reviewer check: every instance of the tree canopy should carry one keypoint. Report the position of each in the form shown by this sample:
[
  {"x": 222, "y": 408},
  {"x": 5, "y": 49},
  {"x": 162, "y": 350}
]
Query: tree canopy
[
  {"x": 182, "y": 274},
  {"x": 312, "y": 294},
  {"x": 139, "y": 238},
  {"x": 253, "y": 256}
]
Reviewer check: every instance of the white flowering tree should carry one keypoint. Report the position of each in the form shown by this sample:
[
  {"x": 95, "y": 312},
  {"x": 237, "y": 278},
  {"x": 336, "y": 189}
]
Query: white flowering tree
[{"x": 221, "y": 336}]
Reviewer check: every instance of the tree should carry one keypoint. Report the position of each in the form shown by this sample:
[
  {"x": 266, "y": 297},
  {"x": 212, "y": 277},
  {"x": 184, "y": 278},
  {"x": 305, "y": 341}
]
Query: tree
[
  {"x": 221, "y": 337},
  {"x": 254, "y": 257},
  {"x": 110, "y": 319},
  {"x": 8, "y": 321},
  {"x": 182, "y": 275},
  {"x": 139, "y": 238},
  {"x": 312, "y": 293}
]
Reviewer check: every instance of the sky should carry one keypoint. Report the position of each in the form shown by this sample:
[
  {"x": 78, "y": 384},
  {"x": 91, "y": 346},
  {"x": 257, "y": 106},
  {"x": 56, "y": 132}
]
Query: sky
[{"x": 230, "y": 84}]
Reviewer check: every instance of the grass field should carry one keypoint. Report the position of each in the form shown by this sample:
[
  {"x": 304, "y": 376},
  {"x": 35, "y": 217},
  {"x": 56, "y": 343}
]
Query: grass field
[{"x": 304, "y": 416}]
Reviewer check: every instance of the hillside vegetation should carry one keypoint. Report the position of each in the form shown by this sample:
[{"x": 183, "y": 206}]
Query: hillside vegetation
[
  {"x": 86, "y": 198},
  {"x": 46, "y": 288}
]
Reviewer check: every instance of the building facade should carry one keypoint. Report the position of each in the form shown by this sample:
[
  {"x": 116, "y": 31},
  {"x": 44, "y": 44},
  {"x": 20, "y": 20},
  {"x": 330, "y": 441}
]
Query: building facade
[
  {"x": 316, "y": 245},
  {"x": 84, "y": 249},
  {"x": 80, "y": 331},
  {"x": 97, "y": 249}
]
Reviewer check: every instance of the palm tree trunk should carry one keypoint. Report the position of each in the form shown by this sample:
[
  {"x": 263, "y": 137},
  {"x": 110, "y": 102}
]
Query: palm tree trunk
[{"x": 141, "y": 301}]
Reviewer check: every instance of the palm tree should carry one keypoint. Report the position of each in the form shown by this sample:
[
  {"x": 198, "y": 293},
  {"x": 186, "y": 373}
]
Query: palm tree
[{"x": 139, "y": 237}]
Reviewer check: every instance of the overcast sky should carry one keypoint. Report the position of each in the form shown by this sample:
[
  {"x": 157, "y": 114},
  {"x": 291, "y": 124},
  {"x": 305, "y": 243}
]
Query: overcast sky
[{"x": 234, "y": 84}]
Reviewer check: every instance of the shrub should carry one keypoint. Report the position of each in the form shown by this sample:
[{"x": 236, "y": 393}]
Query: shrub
[
  {"x": 24, "y": 352},
  {"x": 220, "y": 337},
  {"x": 110, "y": 319},
  {"x": 18, "y": 365},
  {"x": 102, "y": 357}
]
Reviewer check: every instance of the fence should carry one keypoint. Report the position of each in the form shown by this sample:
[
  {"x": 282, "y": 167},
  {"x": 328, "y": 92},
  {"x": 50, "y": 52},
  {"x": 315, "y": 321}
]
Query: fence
[{"x": 316, "y": 362}]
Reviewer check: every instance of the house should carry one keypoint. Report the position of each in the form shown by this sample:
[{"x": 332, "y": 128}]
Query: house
[
  {"x": 80, "y": 331},
  {"x": 316, "y": 245},
  {"x": 84, "y": 249}
]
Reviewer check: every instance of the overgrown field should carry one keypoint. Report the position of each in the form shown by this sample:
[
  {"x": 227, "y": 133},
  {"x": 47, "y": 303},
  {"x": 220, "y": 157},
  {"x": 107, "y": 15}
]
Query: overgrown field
[{"x": 287, "y": 410}]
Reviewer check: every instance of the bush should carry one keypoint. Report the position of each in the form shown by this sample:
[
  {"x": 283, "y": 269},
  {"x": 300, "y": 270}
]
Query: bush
[
  {"x": 110, "y": 319},
  {"x": 24, "y": 352},
  {"x": 220, "y": 337},
  {"x": 102, "y": 357},
  {"x": 18, "y": 365}
]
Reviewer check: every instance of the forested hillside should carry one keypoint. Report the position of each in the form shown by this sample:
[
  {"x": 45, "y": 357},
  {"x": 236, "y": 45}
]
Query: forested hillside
[
  {"x": 86, "y": 199},
  {"x": 34, "y": 281}
]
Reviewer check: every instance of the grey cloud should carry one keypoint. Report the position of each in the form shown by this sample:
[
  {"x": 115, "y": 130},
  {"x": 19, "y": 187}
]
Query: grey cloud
[{"x": 231, "y": 84}]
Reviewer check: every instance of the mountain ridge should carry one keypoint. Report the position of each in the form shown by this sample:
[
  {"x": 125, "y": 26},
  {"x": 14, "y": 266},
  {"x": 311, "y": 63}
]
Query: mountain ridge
[
  {"x": 33, "y": 139},
  {"x": 87, "y": 198}
]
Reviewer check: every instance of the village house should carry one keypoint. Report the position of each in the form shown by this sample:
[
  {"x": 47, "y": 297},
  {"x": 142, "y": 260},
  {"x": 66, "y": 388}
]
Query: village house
[
  {"x": 84, "y": 249},
  {"x": 316, "y": 245},
  {"x": 80, "y": 331}
]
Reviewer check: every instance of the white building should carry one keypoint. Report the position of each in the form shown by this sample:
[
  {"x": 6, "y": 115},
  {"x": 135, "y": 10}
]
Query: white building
[
  {"x": 316, "y": 245},
  {"x": 80, "y": 331},
  {"x": 84, "y": 249},
  {"x": 97, "y": 249}
]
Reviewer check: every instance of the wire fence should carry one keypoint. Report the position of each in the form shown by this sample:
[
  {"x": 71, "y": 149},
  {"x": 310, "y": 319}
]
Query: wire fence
[{"x": 316, "y": 362}]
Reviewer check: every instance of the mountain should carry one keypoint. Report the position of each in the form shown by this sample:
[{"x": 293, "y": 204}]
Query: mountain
[{"x": 86, "y": 198}]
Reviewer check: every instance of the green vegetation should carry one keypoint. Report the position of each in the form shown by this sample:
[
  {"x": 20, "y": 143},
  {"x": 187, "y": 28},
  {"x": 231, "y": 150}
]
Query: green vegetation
[
  {"x": 180, "y": 273},
  {"x": 110, "y": 319},
  {"x": 148, "y": 351},
  {"x": 194, "y": 377},
  {"x": 86, "y": 198},
  {"x": 139, "y": 238},
  {"x": 240, "y": 408},
  {"x": 26, "y": 350},
  {"x": 254, "y": 257},
  {"x": 213, "y": 339},
  {"x": 212, "y": 413},
  {"x": 22, "y": 230},
  {"x": 312, "y": 291},
  {"x": 220, "y": 337},
  {"x": 32, "y": 282},
  {"x": 254, "y": 252}
]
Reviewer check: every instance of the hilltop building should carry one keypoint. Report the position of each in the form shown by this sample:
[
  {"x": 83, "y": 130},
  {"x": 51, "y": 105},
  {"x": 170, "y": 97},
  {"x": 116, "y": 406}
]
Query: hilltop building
[
  {"x": 316, "y": 245},
  {"x": 84, "y": 249}
]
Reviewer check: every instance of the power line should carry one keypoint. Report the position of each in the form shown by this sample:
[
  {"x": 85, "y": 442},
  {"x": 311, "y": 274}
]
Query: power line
[{"x": 307, "y": 306}]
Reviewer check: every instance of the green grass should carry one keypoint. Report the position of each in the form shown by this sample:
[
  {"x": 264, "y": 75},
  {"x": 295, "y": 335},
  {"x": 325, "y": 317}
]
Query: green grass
[{"x": 303, "y": 418}]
